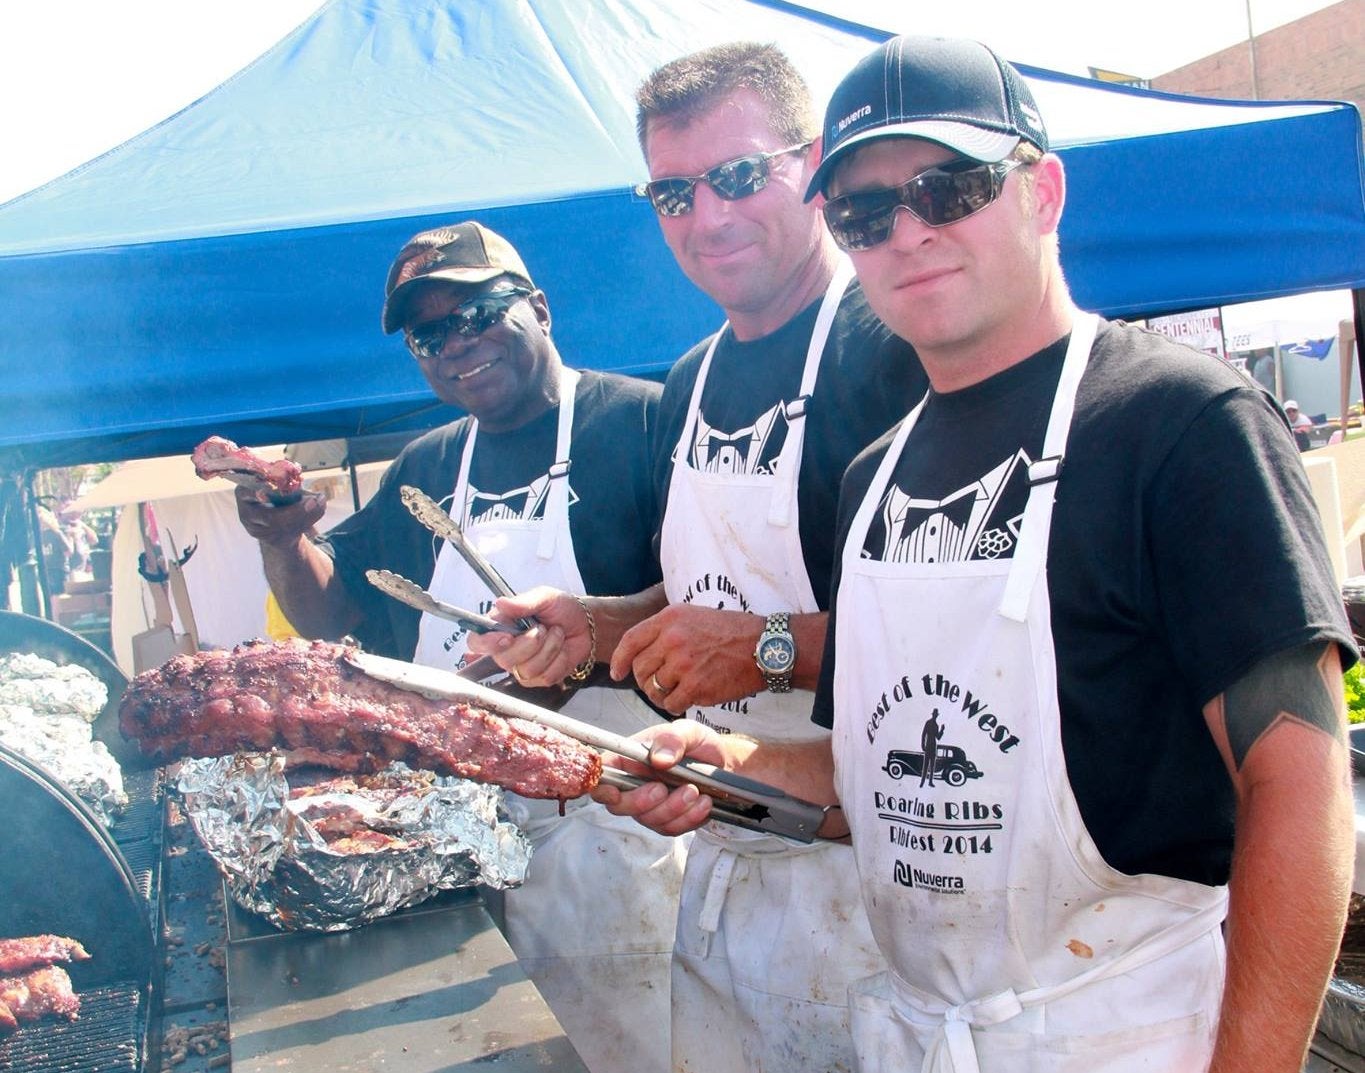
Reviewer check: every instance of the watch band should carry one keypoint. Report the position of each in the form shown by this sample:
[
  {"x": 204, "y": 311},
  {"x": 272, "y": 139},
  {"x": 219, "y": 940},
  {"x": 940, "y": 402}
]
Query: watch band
[{"x": 777, "y": 640}]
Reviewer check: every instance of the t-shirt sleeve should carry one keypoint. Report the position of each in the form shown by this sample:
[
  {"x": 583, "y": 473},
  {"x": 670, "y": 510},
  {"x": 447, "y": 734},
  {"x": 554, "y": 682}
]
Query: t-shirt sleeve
[
  {"x": 614, "y": 518},
  {"x": 1242, "y": 574},
  {"x": 380, "y": 535},
  {"x": 353, "y": 542},
  {"x": 351, "y": 545}
]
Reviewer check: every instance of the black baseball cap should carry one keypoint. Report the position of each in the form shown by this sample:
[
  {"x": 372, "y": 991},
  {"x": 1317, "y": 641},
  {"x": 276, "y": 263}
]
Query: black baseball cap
[
  {"x": 464, "y": 253},
  {"x": 948, "y": 90}
]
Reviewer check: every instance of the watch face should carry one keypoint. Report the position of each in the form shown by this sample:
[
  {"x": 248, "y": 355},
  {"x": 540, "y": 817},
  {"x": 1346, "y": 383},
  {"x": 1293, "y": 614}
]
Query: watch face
[{"x": 777, "y": 654}]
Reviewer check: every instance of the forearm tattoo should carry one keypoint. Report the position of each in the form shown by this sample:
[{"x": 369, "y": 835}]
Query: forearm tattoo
[{"x": 1287, "y": 685}]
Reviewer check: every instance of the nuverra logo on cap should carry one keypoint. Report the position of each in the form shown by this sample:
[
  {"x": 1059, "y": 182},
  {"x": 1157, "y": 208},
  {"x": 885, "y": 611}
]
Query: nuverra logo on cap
[{"x": 842, "y": 125}]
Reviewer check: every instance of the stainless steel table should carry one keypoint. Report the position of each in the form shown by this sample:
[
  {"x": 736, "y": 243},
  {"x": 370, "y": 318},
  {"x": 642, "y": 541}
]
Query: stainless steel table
[{"x": 435, "y": 988}]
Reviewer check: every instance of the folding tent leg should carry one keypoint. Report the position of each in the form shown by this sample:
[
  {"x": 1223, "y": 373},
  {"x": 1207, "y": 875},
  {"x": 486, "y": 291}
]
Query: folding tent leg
[
  {"x": 1358, "y": 311},
  {"x": 33, "y": 587}
]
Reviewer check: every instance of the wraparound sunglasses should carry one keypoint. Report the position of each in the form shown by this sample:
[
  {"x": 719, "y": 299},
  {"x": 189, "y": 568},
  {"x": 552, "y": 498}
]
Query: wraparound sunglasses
[
  {"x": 734, "y": 179},
  {"x": 469, "y": 319},
  {"x": 937, "y": 196}
]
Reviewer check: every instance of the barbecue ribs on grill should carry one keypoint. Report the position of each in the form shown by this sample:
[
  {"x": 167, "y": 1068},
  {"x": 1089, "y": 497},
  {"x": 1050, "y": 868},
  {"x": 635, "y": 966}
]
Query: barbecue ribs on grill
[
  {"x": 31, "y": 986},
  {"x": 305, "y": 697},
  {"x": 281, "y": 480},
  {"x": 35, "y": 951}
]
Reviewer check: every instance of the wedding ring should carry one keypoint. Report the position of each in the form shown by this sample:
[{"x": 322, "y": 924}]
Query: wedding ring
[{"x": 654, "y": 681}]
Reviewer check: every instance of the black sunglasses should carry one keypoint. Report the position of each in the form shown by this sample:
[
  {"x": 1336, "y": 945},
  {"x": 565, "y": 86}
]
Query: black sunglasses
[
  {"x": 937, "y": 196},
  {"x": 732, "y": 180},
  {"x": 469, "y": 319}
]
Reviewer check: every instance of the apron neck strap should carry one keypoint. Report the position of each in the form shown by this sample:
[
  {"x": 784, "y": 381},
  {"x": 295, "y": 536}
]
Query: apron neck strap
[
  {"x": 789, "y": 464},
  {"x": 794, "y": 411},
  {"x": 862, "y": 518},
  {"x": 557, "y": 507},
  {"x": 557, "y": 503},
  {"x": 1031, "y": 554}
]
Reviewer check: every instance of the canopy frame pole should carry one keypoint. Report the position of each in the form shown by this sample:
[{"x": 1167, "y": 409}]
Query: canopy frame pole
[
  {"x": 1358, "y": 316},
  {"x": 34, "y": 589}
]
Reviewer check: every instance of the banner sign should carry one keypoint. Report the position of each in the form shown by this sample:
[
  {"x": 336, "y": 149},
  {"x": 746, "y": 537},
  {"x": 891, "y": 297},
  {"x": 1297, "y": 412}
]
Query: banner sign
[
  {"x": 1201, "y": 329},
  {"x": 1099, "y": 74}
]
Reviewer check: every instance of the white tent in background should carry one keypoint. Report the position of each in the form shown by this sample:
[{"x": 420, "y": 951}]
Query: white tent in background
[{"x": 226, "y": 582}]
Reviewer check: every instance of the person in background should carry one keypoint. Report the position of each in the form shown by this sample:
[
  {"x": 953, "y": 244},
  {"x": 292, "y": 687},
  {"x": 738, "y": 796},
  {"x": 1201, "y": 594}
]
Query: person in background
[
  {"x": 757, "y": 424},
  {"x": 549, "y": 477},
  {"x": 56, "y": 547},
  {"x": 1157, "y": 745},
  {"x": 1299, "y": 423},
  {"x": 82, "y": 538}
]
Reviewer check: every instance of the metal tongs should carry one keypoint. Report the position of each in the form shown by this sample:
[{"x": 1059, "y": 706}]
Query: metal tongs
[
  {"x": 427, "y": 511},
  {"x": 409, "y": 592},
  {"x": 484, "y": 669},
  {"x": 738, "y": 801}
]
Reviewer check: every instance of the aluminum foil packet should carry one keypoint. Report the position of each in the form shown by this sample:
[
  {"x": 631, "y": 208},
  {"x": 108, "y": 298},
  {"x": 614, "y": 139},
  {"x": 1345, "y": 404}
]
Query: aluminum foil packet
[
  {"x": 46, "y": 712},
  {"x": 319, "y": 851},
  {"x": 1342, "y": 1018}
]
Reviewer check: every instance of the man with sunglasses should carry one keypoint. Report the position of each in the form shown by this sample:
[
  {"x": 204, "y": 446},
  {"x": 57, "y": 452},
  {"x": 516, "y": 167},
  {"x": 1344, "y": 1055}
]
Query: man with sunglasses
[
  {"x": 757, "y": 425},
  {"x": 1138, "y": 744},
  {"x": 549, "y": 476}
]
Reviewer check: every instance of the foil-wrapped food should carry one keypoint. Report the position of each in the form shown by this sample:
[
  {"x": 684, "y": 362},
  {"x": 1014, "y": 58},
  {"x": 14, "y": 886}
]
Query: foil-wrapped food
[
  {"x": 46, "y": 713},
  {"x": 313, "y": 850}
]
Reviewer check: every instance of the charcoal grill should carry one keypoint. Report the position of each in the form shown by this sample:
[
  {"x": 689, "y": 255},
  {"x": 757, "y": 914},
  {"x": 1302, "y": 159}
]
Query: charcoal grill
[{"x": 63, "y": 872}]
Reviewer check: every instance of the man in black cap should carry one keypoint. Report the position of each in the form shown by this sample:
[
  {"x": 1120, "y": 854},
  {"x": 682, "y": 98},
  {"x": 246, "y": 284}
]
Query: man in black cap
[
  {"x": 1152, "y": 745},
  {"x": 549, "y": 476}
]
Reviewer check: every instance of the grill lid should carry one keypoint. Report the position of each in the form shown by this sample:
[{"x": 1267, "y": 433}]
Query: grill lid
[{"x": 61, "y": 872}]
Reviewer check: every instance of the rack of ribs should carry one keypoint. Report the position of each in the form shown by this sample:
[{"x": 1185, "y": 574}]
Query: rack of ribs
[
  {"x": 31, "y": 985},
  {"x": 277, "y": 482},
  {"x": 307, "y": 699}
]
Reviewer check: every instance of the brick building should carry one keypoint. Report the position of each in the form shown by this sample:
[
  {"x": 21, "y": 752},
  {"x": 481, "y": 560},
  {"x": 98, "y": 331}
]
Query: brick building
[{"x": 1318, "y": 57}]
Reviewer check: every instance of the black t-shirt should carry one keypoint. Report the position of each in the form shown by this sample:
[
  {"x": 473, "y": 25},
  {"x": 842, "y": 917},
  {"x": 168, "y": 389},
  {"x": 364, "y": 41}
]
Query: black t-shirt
[
  {"x": 868, "y": 380},
  {"x": 612, "y": 509},
  {"x": 1185, "y": 548}
]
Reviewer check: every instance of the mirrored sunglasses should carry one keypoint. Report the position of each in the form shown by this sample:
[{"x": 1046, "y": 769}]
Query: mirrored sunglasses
[
  {"x": 469, "y": 319},
  {"x": 732, "y": 180},
  {"x": 937, "y": 196}
]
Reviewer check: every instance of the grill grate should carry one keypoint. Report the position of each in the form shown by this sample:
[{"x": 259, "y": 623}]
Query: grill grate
[
  {"x": 138, "y": 833},
  {"x": 144, "y": 862},
  {"x": 142, "y": 818},
  {"x": 104, "y": 1039}
]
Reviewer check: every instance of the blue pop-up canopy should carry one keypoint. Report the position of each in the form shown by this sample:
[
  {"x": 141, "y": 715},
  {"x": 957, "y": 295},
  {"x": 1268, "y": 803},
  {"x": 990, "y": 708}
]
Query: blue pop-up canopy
[{"x": 223, "y": 271}]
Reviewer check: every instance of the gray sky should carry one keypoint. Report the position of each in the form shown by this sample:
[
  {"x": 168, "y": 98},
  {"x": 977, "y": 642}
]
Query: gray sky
[{"x": 82, "y": 76}]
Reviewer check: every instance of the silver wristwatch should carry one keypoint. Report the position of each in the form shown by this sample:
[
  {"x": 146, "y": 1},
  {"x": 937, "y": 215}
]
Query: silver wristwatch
[{"x": 775, "y": 653}]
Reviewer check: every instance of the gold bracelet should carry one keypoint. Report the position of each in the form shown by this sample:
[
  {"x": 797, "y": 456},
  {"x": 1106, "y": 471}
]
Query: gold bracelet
[{"x": 581, "y": 672}]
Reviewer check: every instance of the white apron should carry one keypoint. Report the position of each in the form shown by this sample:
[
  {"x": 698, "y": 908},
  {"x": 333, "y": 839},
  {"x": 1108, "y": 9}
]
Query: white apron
[
  {"x": 1014, "y": 948},
  {"x": 770, "y": 932},
  {"x": 593, "y": 925}
]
